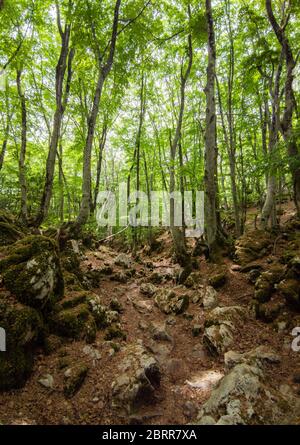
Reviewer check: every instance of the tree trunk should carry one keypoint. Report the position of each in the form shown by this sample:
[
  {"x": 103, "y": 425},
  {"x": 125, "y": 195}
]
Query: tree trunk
[
  {"x": 103, "y": 72},
  {"x": 178, "y": 234},
  {"x": 273, "y": 140},
  {"x": 210, "y": 175},
  {"x": 22, "y": 156},
  {"x": 58, "y": 116},
  {"x": 286, "y": 124}
]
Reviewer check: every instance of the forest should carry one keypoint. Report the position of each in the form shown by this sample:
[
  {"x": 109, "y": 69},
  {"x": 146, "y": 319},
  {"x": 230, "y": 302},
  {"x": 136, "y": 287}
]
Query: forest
[{"x": 149, "y": 212}]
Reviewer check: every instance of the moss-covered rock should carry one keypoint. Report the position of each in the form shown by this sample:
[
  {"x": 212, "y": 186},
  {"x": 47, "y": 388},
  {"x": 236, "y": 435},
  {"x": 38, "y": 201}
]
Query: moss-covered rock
[
  {"x": 9, "y": 231},
  {"x": 264, "y": 286},
  {"x": 31, "y": 271},
  {"x": 168, "y": 302},
  {"x": 70, "y": 322},
  {"x": 269, "y": 311},
  {"x": 252, "y": 245},
  {"x": 24, "y": 328},
  {"x": 218, "y": 280},
  {"x": 74, "y": 378},
  {"x": 290, "y": 289},
  {"x": 115, "y": 331}
]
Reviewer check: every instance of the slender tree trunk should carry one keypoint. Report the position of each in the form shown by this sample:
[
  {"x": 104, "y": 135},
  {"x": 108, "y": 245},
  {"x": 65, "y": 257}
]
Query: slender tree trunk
[
  {"x": 61, "y": 68},
  {"x": 269, "y": 204},
  {"x": 286, "y": 124},
  {"x": 210, "y": 175},
  {"x": 138, "y": 150},
  {"x": 103, "y": 72},
  {"x": 99, "y": 162},
  {"x": 178, "y": 234},
  {"x": 22, "y": 156}
]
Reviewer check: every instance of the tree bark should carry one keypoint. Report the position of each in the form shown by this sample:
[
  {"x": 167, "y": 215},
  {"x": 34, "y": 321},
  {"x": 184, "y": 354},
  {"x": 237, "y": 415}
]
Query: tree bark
[
  {"x": 103, "y": 72},
  {"x": 61, "y": 103},
  {"x": 178, "y": 234},
  {"x": 286, "y": 124},
  {"x": 22, "y": 156},
  {"x": 211, "y": 152}
]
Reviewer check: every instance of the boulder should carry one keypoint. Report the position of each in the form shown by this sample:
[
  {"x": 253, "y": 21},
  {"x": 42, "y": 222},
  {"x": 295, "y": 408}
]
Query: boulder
[
  {"x": 31, "y": 271},
  {"x": 168, "y": 302},
  {"x": 9, "y": 231},
  {"x": 252, "y": 245},
  {"x": 75, "y": 322},
  {"x": 218, "y": 280},
  {"x": 23, "y": 327},
  {"x": 220, "y": 327},
  {"x": 148, "y": 289},
  {"x": 74, "y": 378},
  {"x": 210, "y": 298},
  {"x": 137, "y": 379},
  {"x": 265, "y": 284},
  {"x": 245, "y": 396},
  {"x": 124, "y": 260}
]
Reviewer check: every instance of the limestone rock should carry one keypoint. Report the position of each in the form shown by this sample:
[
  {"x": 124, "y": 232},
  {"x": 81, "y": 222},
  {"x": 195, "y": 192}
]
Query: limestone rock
[
  {"x": 252, "y": 245},
  {"x": 148, "y": 289},
  {"x": 74, "y": 378},
  {"x": 210, "y": 298},
  {"x": 244, "y": 396},
  {"x": 123, "y": 260},
  {"x": 168, "y": 302},
  {"x": 32, "y": 272},
  {"x": 137, "y": 379},
  {"x": 220, "y": 327}
]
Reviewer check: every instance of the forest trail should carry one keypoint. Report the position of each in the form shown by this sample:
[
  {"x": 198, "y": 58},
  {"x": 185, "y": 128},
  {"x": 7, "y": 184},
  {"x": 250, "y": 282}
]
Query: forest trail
[{"x": 188, "y": 370}]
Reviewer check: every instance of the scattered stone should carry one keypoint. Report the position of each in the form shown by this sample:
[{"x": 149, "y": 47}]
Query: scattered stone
[
  {"x": 148, "y": 289},
  {"x": 74, "y": 378},
  {"x": 142, "y": 306},
  {"x": 205, "y": 380},
  {"x": 168, "y": 302},
  {"x": 252, "y": 245},
  {"x": 93, "y": 353},
  {"x": 158, "y": 332},
  {"x": 210, "y": 298},
  {"x": 196, "y": 330},
  {"x": 137, "y": 379},
  {"x": 220, "y": 327},
  {"x": 218, "y": 280},
  {"x": 23, "y": 326},
  {"x": 264, "y": 286},
  {"x": 124, "y": 260},
  {"x": 115, "y": 331},
  {"x": 116, "y": 306},
  {"x": 244, "y": 396},
  {"x": 47, "y": 381}
]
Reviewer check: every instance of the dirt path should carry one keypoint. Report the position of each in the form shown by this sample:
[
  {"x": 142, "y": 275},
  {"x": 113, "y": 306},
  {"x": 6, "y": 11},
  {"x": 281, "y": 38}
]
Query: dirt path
[{"x": 183, "y": 360}]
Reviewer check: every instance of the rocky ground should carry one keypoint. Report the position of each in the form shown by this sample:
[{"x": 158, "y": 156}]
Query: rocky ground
[{"x": 94, "y": 337}]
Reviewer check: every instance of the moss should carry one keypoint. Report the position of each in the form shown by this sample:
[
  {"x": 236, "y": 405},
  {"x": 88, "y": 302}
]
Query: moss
[
  {"x": 32, "y": 272},
  {"x": 115, "y": 305},
  {"x": 74, "y": 298},
  {"x": 74, "y": 378},
  {"x": 15, "y": 367},
  {"x": 115, "y": 331},
  {"x": 218, "y": 280},
  {"x": 268, "y": 312},
  {"x": 290, "y": 289},
  {"x": 98, "y": 310},
  {"x": 90, "y": 330},
  {"x": 22, "y": 324},
  {"x": 70, "y": 322}
]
